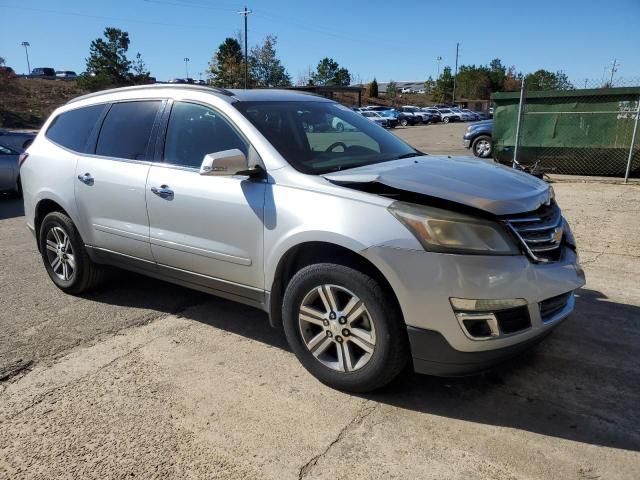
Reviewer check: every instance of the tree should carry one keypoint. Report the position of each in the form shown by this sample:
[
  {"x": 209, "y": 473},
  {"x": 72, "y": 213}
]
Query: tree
[
  {"x": 443, "y": 91},
  {"x": 328, "y": 72},
  {"x": 512, "y": 80},
  {"x": 392, "y": 92},
  {"x": 266, "y": 68},
  {"x": 372, "y": 89},
  {"x": 108, "y": 57},
  {"x": 226, "y": 68},
  {"x": 140, "y": 73},
  {"x": 474, "y": 82},
  {"x": 1, "y": 62},
  {"x": 429, "y": 86},
  {"x": 546, "y": 80},
  {"x": 497, "y": 74}
]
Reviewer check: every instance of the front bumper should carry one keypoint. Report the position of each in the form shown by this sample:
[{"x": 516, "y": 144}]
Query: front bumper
[{"x": 425, "y": 281}]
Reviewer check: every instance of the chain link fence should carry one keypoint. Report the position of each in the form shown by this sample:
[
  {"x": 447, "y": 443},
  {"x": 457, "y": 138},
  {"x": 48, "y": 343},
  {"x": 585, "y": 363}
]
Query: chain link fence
[{"x": 591, "y": 131}]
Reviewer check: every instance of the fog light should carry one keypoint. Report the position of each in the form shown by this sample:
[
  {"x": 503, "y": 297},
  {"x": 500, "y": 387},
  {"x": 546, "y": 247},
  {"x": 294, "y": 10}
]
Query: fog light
[
  {"x": 486, "y": 305},
  {"x": 480, "y": 318}
]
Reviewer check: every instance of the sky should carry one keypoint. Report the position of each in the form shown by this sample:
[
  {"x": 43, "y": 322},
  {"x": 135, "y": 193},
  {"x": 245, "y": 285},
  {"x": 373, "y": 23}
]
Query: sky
[{"x": 374, "y": 38}]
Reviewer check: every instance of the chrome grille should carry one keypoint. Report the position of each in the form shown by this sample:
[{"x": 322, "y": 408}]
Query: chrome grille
[{"x": 539, "y": 232}]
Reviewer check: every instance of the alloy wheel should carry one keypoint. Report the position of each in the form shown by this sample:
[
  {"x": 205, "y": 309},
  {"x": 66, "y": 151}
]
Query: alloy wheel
[
  {"x": 336, "y": 328},
  {"x": 60, "y": 254},
  {"x": 483, "y": 148}
]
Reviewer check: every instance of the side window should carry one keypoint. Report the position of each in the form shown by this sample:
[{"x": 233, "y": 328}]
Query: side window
[
  {"x": 72, "y": 129},
  {"x": 126, "y": 130},
  {"x": 194, "y": 131}
]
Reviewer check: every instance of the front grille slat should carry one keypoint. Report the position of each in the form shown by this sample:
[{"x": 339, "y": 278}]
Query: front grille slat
[{"x": 540, "y": 232}]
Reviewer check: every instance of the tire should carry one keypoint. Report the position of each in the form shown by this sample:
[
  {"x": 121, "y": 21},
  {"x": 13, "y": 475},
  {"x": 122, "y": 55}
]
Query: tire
[
  {"x": 482, "y": 146},
  {"x": 340, "y": 127},
  {"x": 446, "y": 120},
  {"x": 80, "y": 273},
  {"x": 369, "y": 365},
  {"x": 404, "y": 122}
]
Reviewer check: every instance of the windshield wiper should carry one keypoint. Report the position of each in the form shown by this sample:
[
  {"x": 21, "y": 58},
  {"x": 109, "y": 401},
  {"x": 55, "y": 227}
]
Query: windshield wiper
[{"x": 409, "y": 155}]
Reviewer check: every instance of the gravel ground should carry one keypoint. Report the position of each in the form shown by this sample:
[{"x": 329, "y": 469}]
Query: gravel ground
[{"x": 149, "y": 380}]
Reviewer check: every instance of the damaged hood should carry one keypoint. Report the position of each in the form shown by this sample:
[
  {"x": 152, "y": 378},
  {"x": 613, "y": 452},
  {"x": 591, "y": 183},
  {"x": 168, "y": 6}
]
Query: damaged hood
[{"x": 472, "y": 182}]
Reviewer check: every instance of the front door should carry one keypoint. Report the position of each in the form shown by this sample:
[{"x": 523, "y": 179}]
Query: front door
[
  {"x": 204, "y": 229},
  {"x": 110, "y": 184}
]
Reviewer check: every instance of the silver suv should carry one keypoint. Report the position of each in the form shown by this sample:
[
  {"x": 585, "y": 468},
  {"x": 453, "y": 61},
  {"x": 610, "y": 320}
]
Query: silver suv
[{"x": 370, "y": 255}]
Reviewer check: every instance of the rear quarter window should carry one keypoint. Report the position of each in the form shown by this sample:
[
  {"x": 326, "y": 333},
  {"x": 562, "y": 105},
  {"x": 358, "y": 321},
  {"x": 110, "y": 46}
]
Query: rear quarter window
[{"x": 72, "y": 129}]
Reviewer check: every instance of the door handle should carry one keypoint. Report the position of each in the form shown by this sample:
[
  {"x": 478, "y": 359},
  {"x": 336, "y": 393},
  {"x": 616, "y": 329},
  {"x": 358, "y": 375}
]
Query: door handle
[
  {"x": 87, "y": 179},
  {"x": 163, "y": 191}
]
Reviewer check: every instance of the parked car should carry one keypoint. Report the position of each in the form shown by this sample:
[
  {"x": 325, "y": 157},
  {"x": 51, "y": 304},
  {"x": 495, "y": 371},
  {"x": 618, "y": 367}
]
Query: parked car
[
  {"x": 43, "y": 72},
  {"x": 67, "y": 74},
  {"x": 9, "y": 170},
  {"x": 478, "y": 138},
  {"x": 346, "y": 240},
  {"x": 392, "y": 119},
  {"x": 449, "y": 115},
  {"x": 18, "y": 141},
  {"x": 403, "y": 118},
  {"x": 420, "y": 115},
  {"x": 435, "y": 114},
  {"x": 7, "y": 72},
  {"x": 465, "y": 117},
  {"x": 375, "y": 117},
  {"x": 406, "y": 90}
]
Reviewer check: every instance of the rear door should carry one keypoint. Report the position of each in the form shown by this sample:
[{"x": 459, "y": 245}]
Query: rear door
[
  {"x": 111, "y": 179},
  {"x": 205, "y": 229}
]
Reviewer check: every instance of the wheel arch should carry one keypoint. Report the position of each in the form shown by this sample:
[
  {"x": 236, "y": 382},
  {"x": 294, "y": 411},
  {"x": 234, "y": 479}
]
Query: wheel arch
[
  {"x": 43, "y": 208},
  {"x": 311, "y": 252}
]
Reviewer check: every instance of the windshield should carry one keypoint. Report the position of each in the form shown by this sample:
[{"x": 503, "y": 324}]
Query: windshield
[{"x": 321, "y": 137}]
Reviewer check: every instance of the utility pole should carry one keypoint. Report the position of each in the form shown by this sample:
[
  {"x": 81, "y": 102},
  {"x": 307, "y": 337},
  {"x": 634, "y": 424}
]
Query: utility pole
[
  {"x": 26, "y": 45},
  {"x": 613, "y": 70},
  {"x": 453, "y": 100},
  {"x": 186, "y": 65},
  {"x": 246, "y": 13},
  {"x": 438, "y": 59}
]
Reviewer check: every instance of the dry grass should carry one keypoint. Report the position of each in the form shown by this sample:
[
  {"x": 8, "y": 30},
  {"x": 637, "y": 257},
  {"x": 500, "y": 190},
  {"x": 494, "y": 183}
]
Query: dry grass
[{"x": 26, "y": 103}]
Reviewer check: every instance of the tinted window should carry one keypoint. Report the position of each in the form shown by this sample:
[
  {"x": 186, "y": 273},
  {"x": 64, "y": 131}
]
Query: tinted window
[
  {"x": 126, "y": 130},
  {"x": 72, "y": 129},
  {"x": 194, "y": 131}
]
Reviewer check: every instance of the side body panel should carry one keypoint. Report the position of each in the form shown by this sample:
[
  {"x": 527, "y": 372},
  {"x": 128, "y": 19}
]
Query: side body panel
[{"x": 211, "y": 226}]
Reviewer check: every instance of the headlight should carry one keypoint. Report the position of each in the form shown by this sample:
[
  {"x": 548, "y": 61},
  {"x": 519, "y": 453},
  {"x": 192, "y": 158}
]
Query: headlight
[{"x": 450, "y": 232}]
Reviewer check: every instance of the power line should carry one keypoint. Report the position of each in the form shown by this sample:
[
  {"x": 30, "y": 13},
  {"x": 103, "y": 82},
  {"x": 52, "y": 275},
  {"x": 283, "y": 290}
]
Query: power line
[{"x": 100, "y": 17}]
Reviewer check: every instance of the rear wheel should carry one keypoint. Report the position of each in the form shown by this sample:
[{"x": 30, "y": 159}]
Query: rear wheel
[
  {"x": 445, "y": 120},
  {"x": 404, "y": 122},
  {"x": 344, "y": 328},
  {"x": 64, "y": 255},
  {"x": 340, "y": 127},
  {"x": 482, "y": 146}
]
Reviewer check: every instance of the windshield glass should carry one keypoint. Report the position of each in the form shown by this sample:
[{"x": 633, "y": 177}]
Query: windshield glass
[{"x": 321, "y": 137}]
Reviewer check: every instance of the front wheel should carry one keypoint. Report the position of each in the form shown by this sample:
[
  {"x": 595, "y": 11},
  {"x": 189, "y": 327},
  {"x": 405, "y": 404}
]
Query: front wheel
[
  {"x": 64, "y": 255},
  {"x": 344, "y": 328},
  {"x": 446, "y": 120},
  {"x": 404, "y": 122},
  {"x": 482, "y": 147}
]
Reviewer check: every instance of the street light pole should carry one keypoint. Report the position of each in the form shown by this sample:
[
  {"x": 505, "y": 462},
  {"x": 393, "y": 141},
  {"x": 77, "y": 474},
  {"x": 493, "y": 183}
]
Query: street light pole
[
  {"x": 438, "y": 59},
  {"x": 246, "y": 13},
  {"x": 26, "y": 45},
  {"x": 186, "y": 65},
  {"x": 453, "y": 99}
]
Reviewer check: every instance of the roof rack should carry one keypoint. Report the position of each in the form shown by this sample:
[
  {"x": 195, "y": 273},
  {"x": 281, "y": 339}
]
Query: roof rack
[{"x": 203, "y": 88}]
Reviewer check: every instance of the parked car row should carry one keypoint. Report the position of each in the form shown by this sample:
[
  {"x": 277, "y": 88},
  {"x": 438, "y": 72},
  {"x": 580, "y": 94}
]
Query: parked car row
[
  {"x": 412, "y": 115},
  {"x": 190, "y": 81},
  {"x": 49, "y": 73}
]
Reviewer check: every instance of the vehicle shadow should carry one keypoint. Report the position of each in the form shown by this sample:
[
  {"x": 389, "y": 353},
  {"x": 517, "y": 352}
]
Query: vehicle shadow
[
  {"x": 10, "y": 206},
  {"x": 578, "y": 385},
  {"x": 581, "y": 384}
]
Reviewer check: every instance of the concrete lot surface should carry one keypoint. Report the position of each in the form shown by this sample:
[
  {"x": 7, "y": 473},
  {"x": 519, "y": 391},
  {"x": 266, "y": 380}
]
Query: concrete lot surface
[{"x": 142, "y": 379}]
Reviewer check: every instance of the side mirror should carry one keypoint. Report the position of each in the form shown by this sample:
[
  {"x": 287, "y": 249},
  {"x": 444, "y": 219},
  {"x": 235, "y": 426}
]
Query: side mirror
[{"x": 225, "y": 163}]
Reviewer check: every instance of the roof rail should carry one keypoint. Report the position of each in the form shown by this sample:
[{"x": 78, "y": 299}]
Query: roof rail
[{"x": 203, "y": 88}]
